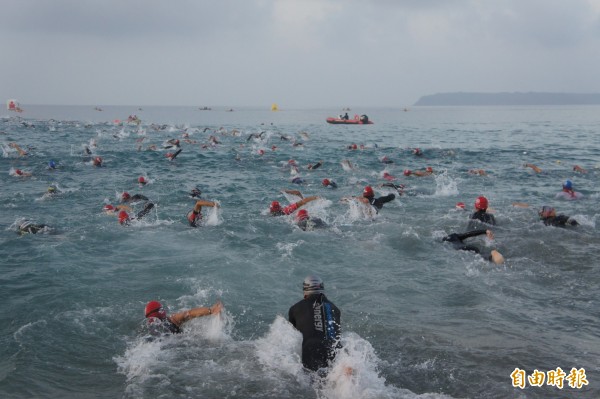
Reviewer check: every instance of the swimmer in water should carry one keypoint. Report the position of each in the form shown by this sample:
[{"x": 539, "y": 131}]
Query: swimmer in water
[
  {"x": 160, "y": 323},
  {"x": 28, "y": 227},
  {"x": 125, "y": 219},
  {"x": 22, "y": 152},
  {"x": 128, "y": 198},
  {"x": 457, "y": 242},
  {"x": 329, "y": 183},
  {"x": 568, "y": 193},
  {"x": 195, "y": 215},
  {"x": 419, "y": 173},
  {"x": 368, "y": 197},
  {"x": 172, "y": 156},
  {"x": 550, "y": 218},
  {"x": 21, "y": 173},
  {"x": 97, "y": 162},
  {"x": 315, "y": 166},
  {"x": 533, "y": 167},
  {"x": 276, "y": 210},
  {"x": 308, "y": 223},
  {"x": 481, "y": 214}
]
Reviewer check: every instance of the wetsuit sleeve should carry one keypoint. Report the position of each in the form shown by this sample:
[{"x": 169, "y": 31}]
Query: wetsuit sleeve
[
  {"x": 291, "y": 317},
  {"x": 469, "y": 234},
  {"x": 378, "y": 203}
]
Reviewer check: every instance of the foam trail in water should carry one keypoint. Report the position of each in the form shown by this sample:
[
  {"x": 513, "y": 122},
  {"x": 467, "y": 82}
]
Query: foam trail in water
[{"x": 445, "y": 186}]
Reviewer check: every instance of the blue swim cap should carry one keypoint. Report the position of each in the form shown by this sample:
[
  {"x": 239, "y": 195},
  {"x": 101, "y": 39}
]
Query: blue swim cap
[
  {"x": 52, "y": 165},
  {"x": 568, "y": 185}
]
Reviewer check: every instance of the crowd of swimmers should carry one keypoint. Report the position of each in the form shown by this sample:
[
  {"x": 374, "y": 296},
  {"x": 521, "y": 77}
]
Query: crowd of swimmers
[{"x": 315, "y": 316}]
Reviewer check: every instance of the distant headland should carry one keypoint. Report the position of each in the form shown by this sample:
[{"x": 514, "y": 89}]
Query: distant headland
[{"x": 517, "y": 98}]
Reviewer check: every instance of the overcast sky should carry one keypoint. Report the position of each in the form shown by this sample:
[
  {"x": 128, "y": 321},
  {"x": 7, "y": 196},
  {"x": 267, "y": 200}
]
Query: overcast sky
[{"x": 297, "y": 53}]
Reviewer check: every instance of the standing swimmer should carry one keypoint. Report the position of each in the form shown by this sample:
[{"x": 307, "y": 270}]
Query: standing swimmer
[{"x": 318, "y": 319}]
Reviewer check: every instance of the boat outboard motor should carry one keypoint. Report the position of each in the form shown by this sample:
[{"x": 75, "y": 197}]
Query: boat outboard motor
[{"x": 364, "y": 118}]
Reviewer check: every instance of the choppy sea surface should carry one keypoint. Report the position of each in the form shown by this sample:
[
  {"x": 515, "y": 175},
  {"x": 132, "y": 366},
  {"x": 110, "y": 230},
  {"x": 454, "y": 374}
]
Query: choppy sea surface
[{"x": 419, "y": 319}]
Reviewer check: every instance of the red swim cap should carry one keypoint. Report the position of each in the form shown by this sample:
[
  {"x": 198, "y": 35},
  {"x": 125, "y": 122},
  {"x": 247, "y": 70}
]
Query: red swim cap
[
  {"x": 97, "y": 161},
  {"x": 125, "y": 196},
  {"x": 155, "y": 309},
  {"x": 368, "y": 192},
  {"x": 142, "y": 180},
  {"x": 460, "y": 205},
  {"x": 123, "y": 217},
  {"x": 326, "y": 182},
  {"x": 481, "y": 203},
  {"x": 19, "y": 172},
  {"x": 302, "y": 214},
  {"x": 275, "y": 207},
  {"x": 108, "y": 207},
  {"x": 429, "y": 169},
  {"x": 407, "y": 172}
]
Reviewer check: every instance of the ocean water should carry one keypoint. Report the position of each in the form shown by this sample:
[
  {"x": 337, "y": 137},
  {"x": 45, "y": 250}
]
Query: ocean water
[{"x": 420, "y": 320}]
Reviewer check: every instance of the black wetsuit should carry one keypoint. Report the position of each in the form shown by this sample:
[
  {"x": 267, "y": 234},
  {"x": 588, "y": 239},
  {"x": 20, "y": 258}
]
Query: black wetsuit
[
  {"x": 31, "y": 228},
  {"x": 483, "y": 217},
  {"x": 145, "y": 211},
  {"x": 311, "y": 224},
  {"x": 378, "y": 202},
  {"x": 457, "y": 240},
  {"x": 560, "y": 221},
  {"x": 158, "y": 327},
  {"x": 319, "y": 322},
  {"x": 136, "y": 198}
]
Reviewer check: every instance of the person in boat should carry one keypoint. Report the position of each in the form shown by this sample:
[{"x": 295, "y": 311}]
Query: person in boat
[
  {"x": 457, "y": 239},
  {"x": 159, "y": 323},
  {"x": 275, "y": 208},
  {"x": 195, "y": 215},
  {"x": 345, "y": 117},
  {"x": 550, "y": 218},
  {"x": 318, "y": 319},
  {"x": 306, "y": 222},
  {"x": 568, "y": 193},
  {"x": 481, "y": 214}
]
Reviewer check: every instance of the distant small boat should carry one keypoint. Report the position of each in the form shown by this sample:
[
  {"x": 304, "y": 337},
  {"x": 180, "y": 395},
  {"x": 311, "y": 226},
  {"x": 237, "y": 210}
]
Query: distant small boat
[
  {"x": 274, "y": 107},
  {"x": 358, "y": 120},
  {"x": 13, "y": 105}
]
